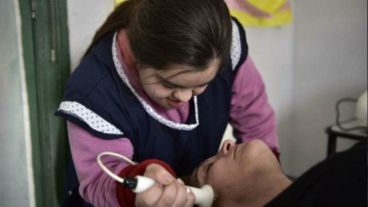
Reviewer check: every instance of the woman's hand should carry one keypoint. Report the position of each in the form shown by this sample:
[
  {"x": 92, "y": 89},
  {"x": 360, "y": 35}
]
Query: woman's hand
[{"x": 166, "y": 192}]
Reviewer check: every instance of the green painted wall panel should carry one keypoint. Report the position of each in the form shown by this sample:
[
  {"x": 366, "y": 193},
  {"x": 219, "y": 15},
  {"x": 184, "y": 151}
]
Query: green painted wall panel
[{"x": 45, "y": 81}]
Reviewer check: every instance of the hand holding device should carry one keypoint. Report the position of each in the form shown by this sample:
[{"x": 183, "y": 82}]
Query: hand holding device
[{"x": 203, "y": 196}]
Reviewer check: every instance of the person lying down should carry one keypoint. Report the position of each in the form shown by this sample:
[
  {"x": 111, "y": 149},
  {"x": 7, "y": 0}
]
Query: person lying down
[{"x": 249, "y": 175}]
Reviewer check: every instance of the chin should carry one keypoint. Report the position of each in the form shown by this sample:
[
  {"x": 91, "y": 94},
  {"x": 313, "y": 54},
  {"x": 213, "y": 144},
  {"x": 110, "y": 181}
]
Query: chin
[
  {"x": 257, "y": 146},
  {"x": 257, "y": 143},
  {"x": 161, "y": 103}
]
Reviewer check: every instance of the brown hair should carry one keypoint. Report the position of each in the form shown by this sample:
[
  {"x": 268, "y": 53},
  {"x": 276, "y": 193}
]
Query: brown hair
[{"x": 165, "y": 32}]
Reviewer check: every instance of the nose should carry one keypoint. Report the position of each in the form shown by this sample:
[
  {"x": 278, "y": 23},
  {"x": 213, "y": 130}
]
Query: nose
[
  {"x": 226, "y": 146},
  {"x": 183, "y": 95}
]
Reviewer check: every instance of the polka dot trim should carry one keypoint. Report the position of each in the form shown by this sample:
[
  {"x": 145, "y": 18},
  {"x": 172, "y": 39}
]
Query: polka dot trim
[
  {"x": 89, "y": 117},
  {"x": 145, "y": 105},
  {"x": 235, "y": 46}
]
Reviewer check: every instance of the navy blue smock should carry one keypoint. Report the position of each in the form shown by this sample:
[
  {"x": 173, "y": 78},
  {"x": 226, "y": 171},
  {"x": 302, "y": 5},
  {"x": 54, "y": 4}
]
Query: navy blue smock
[{"x": 98, "y": 98}]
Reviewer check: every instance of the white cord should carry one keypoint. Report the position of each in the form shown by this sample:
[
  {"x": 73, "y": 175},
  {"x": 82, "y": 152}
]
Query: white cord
[
  {"x": 108, "y": 171},
  {"x": 203, "y": 196}
]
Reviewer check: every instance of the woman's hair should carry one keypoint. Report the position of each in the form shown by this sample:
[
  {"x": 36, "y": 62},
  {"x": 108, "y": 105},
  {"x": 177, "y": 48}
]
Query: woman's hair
[{"x": 166, "y": 32}]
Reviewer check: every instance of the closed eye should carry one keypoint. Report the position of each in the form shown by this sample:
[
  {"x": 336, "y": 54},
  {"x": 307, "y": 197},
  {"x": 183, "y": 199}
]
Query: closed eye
[{"x": 168, "y": 85}]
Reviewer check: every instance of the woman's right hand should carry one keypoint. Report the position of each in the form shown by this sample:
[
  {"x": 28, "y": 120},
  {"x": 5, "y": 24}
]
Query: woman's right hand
[{"x": 166, "y": 192}]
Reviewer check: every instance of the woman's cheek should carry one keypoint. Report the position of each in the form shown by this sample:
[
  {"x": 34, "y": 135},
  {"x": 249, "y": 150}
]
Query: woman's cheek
[{"x": 156, "y": 91}]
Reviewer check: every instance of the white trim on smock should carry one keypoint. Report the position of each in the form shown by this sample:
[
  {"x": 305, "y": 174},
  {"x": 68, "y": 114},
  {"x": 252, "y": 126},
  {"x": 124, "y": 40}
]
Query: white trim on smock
[
  {"x": 235, "y": 51},
  {"x": 93, "y": 120}
]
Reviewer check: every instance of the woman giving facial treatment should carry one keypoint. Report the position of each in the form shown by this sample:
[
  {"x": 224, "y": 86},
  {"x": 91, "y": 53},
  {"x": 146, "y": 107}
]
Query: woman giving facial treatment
[{"x": 159, "y": 84}]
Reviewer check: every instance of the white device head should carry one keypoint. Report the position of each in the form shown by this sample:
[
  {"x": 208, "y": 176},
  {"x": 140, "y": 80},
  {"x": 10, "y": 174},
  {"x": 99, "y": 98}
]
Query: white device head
[{"x": 204, "y": 196}]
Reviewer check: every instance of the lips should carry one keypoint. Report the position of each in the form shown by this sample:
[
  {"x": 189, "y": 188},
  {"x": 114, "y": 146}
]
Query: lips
[
  {"x": 174, "y": 103},
  {"x": 174, "y": 100}
]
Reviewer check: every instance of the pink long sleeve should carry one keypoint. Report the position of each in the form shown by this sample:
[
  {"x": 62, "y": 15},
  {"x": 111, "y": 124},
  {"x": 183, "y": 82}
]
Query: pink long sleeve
[
  {"x": 251, "y": 114},
  {"x": 95, "y": 186}
]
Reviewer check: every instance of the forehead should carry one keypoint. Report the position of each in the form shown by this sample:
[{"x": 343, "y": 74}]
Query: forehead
[{"x": 188, "y": 75}]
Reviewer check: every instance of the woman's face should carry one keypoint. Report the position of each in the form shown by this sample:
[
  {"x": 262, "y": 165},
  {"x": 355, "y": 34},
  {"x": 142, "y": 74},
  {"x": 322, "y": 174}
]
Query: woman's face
[
  {"x": 177, "y": 85},
  {"x": 235, "y": 167}
]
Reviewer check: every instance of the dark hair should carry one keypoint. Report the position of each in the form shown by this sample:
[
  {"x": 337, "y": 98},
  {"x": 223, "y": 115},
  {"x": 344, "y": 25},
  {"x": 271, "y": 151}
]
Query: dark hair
[{"x": 166, "y": 32}]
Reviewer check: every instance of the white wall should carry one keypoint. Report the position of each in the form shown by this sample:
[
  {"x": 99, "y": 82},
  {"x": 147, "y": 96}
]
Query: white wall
[
  {"x": 84, "y": 17},
  {"x": 272, "y": 51},
  {"x": 16, "y": 181},
  {"x": 307, "y": 67},
  {"x": 330, "y": 62}
]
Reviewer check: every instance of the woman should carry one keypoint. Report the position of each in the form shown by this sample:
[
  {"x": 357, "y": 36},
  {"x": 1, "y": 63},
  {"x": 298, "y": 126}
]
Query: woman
[{"x": 161, "y": 80}]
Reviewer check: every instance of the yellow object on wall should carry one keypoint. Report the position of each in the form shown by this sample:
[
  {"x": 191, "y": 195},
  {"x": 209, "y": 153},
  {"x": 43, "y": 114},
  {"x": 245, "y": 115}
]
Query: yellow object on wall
[
  {"x": 270, "y": 6},
  {"x": 261, "y": 13},
  {"x": 118, "y": 2}
]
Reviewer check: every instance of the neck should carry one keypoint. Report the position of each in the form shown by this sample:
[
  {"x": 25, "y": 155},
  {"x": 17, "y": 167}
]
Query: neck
[
  {"x": 269, "y": 189},
  {"x": 259, "y": 193}
]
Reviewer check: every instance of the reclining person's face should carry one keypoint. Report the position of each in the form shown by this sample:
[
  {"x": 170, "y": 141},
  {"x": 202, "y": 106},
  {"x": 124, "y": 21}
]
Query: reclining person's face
[{"x": 236, "y": 169}]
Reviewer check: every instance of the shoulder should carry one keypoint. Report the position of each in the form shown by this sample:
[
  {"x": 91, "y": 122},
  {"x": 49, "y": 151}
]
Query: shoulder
[
  {"x": 95, "y": 71},
  {"x": 94, "y": 94}
]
